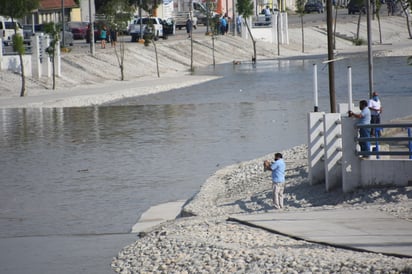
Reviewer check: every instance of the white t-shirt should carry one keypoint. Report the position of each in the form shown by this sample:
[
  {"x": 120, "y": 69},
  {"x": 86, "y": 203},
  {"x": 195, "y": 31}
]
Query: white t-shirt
[{"x": 374, "y": 105}]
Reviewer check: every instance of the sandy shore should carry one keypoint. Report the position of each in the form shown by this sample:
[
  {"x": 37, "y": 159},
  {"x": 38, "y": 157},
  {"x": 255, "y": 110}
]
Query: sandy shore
[{"x": 206, "y": 242}]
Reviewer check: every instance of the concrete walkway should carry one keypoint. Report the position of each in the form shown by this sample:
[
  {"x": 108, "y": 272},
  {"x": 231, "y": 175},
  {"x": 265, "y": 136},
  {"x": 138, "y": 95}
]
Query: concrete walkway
[
  {"x": 357, "y": 229},
  {"x": 158, "y": 214}
]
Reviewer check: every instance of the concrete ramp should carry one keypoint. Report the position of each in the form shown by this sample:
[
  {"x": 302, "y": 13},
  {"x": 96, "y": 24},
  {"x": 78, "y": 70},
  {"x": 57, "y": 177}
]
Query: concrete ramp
[
  {"x": 357, "y": 229},
  {"x": 158, "y": 214}
]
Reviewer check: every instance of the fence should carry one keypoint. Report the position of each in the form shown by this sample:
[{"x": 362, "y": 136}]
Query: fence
[
  {"x": 376, "y": 141},
  {"x": 36, "y": 63}
]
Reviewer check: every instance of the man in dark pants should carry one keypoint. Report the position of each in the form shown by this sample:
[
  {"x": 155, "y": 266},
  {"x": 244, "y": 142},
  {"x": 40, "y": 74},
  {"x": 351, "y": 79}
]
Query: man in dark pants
[
  {"x": 376, "y": 109},
  {"x": 364, "y": 118},
  {"x": 189, "y": 26}
]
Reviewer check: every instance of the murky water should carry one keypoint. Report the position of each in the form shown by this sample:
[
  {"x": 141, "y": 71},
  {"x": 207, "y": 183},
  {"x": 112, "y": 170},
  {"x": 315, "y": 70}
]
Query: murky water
[{"x": 74, "y": 180}]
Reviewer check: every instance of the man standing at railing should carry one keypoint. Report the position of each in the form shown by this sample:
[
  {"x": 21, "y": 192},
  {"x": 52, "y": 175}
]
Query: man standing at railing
[
  {"x": 376, "y": 109},
  {"x": 364, "y": 118}
]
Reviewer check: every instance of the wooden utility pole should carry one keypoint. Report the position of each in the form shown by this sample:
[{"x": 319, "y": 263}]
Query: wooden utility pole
[
  {"x": 370, "y": 56},
  {"x": 329, "y": 22}
]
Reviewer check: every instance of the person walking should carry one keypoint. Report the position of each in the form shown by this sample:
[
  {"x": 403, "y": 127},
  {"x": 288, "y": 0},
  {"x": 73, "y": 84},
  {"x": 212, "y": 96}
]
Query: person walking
[
  {"x": 375, "y": 107},
  {"x": 278, "y": 168},
  {"x": 223, "y": 24},
  {"x": 268, "y": 14},
  {"x": 189, "y": 26},
  {"x": 239, "y": 24},
  {"x": 113, "y": 37},
  {"x": 364, "y": 118},
  {"x": 103, "y": 37}
]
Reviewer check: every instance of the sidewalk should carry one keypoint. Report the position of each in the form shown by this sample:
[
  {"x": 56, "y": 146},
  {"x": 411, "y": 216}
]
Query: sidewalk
[
  {"x": 356, "y": 229},
  {"x": 90, "y": 95}
]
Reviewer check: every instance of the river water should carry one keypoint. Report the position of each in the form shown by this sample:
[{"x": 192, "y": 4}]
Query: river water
[{"x": 74, "y": 180}]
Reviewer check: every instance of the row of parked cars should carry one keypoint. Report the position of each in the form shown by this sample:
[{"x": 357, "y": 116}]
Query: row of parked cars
[
  {"x": 354, "y": 6},
  {"x": 30, "y": 30}
]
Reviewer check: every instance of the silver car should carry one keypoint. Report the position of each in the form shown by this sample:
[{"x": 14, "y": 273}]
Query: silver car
[{"x": 68, "y": 36}]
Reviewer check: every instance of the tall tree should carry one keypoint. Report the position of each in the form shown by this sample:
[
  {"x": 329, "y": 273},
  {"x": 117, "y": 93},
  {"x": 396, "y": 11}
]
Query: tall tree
[
  {"x": 246, "y": 8},
  {"x": 406, "y": 6},
  {"x": 300, "y": 9},
  {"x": 118, "y": 13},
  {"x": 17, "y": 9},
  {"x": 378, "y": 6},
  {"x": 54, "y": 33}
]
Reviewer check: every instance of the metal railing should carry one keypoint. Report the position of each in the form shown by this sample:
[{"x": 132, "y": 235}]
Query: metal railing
[
  {"x": 8, "y": 49},
  {"x": 377, "y": 140}
]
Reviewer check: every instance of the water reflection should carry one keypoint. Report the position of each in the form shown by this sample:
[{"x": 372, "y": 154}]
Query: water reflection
[{"x": 94, "y": 170}]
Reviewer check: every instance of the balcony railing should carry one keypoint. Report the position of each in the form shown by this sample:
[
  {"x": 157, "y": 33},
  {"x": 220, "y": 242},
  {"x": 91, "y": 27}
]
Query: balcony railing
[{"x": 391, "y": 140}]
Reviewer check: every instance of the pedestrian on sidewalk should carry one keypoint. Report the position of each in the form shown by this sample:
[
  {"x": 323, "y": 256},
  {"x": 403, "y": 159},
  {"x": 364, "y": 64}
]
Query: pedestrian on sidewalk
[{"x": 278, "y": 168}]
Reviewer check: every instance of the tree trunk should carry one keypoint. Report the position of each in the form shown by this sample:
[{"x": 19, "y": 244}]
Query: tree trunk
[
  {"x": 157, "y": 59},
  {"x": 213, "y": 49},
  {"x": 253, "y": 42},
  {"x": 358, "y": 29},
  {"x": 23, "y": 78},
  {"x": 405, "y": 11},
  {"x": 120, "y": 59},
  {"x": 54, "y": 70},
  {"x": 303, "y": 33},
  {"x": 379, "y": 27},
  {"x": 191, "y": 52}
]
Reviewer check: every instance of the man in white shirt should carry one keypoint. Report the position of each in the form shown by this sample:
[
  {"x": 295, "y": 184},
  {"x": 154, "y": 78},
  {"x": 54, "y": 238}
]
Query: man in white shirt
[{"x": 375, "y": 107}]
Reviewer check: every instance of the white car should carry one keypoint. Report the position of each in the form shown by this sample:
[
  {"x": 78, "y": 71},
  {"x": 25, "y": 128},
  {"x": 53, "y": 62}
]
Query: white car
[
  {"x": 149, "y": 26},
  {"x": 7, "y": 30}
]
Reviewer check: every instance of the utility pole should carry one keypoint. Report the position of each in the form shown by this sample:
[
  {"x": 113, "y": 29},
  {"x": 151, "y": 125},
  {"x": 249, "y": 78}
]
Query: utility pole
[
  {"x": 370, "y": 56},
  {"x": 329, "y": 22},
  {"x": 63, "y": 28},
  {"x": 92, "y": 49}
]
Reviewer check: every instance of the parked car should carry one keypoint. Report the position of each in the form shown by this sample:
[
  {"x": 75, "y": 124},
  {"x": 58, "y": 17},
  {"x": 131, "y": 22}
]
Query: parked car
[
  {"x": 355, "y": 6},
  {"x": 38, "y": 28},
  {"x": 78, "y": 29},
  {"x": 7, "y": 30},
  {"x": 169, "y": 27},
  {"x": 152, "y": 26},
  {"x": 314, "y": 6}
]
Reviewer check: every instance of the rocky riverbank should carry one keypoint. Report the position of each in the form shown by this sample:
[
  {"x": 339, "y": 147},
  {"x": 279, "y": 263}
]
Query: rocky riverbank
[{"x": 207, "y": 243}]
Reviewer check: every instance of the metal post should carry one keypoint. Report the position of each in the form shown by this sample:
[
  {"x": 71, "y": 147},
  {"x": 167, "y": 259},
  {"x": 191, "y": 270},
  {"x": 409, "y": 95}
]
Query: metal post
[
  {"x": 409, "y": 143},
  {"x": 349, "y": 88},
  {"x": 377, "y": 130},
  {"x": 278, "y": 29},
  {"x": 315, "y": 87}
]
